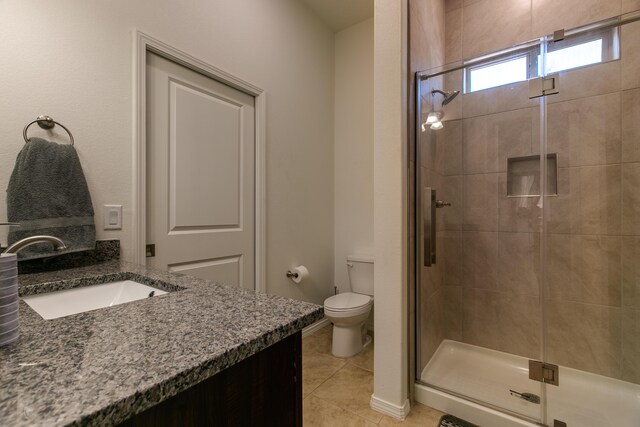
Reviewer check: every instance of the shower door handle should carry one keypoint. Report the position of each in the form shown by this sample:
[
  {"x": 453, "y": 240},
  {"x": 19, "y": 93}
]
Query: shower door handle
[
  {"x": 429, "y": 205},
  {"x": 429, "y": 225}
]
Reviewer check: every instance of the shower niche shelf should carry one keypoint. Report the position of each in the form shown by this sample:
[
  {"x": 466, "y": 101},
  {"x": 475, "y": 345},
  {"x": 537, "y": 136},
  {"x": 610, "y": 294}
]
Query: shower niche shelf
[{"x": 523, "y": 176}]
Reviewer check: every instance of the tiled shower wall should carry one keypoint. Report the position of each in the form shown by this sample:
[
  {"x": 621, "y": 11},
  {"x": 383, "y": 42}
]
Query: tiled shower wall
[{"x": 484, "y": 289}]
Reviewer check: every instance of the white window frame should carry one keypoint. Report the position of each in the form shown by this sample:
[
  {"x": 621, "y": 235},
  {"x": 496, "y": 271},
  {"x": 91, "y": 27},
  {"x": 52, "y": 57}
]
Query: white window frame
[{"x": 610, "y": 52}]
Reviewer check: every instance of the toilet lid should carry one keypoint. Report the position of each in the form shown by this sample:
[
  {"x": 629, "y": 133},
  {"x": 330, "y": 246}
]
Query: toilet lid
[{"x": 347, "y": 301}]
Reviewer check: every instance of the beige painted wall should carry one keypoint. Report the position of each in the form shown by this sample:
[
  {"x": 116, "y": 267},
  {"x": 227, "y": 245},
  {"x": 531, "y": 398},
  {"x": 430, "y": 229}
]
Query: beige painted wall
[
  {"x": 390, "y": 393},
  {"x": 353, "y": 155},
  {"x": 73, "y": 61}
]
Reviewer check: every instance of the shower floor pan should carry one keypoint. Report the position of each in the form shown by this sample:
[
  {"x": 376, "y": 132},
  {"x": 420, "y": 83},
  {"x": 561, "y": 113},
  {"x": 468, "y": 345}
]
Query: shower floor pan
[{"x": 486, "y": 376}]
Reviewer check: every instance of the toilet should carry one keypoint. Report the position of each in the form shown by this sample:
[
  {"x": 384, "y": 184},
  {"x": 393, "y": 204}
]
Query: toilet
[{"x": 349, "y": 311}]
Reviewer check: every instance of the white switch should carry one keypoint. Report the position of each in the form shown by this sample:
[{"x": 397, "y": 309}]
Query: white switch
[{"x": 112, "y": 216}]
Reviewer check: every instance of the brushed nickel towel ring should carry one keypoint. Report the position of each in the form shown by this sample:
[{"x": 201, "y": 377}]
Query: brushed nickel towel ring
[{"x": 45, "y": 122}]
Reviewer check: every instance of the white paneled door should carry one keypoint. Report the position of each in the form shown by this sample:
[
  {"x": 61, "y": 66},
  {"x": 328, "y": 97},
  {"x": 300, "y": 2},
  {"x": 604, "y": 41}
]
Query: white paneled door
[{"x": 200, "y": 174}]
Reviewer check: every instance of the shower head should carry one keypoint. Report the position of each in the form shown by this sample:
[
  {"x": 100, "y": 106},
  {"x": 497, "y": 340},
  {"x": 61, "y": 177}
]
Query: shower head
[{"x": 448, "y": 96}]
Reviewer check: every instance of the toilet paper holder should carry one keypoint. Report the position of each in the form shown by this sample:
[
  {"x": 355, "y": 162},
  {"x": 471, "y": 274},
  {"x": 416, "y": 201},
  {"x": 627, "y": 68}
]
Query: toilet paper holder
[{"x": 291, "y": 274}]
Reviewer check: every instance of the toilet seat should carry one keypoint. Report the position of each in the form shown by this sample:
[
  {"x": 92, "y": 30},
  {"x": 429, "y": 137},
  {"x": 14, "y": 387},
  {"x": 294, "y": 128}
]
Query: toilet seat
[{"x": 347, "y": 301}]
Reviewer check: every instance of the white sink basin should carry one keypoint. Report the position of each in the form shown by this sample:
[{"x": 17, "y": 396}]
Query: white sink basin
[{"x": 78, "y": 300}]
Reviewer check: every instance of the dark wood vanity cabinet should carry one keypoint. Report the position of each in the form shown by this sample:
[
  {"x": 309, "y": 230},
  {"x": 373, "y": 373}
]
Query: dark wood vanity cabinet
[{"x": 262, "y": 390}]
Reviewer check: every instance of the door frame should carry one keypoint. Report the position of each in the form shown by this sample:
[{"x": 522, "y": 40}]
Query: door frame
[{"x": 144, "y": 43}]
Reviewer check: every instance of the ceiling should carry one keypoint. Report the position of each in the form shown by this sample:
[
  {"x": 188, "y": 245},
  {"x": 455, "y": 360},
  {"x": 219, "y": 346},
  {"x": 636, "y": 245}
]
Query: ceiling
[{"x": 340, "y": 14}]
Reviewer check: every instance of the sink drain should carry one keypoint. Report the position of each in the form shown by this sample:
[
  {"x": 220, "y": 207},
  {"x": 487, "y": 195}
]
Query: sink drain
[{"x": 451, "y": 421}]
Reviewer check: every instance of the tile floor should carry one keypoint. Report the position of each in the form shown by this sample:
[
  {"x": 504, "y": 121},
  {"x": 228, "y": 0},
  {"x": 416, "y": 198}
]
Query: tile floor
[{"x": 337, "y": 391}]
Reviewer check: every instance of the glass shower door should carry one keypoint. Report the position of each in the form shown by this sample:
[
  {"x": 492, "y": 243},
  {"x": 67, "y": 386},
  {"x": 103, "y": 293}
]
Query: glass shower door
[
  {"x": 591, "y": 240},
  {"x": 479, "y": 221}
]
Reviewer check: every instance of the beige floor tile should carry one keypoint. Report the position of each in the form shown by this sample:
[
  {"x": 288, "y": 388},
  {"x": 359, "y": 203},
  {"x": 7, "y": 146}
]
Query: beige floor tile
[
  {"x": 364, "y": 359},
  {"x": 319, "y": 342},
  {"x": 319, "y": 413},
  {"x": 420, "y": 415},
  {"x": 337, "y": 391},
  {"x": 317, "y": 368},
  {"x": 350, "y": 388}
]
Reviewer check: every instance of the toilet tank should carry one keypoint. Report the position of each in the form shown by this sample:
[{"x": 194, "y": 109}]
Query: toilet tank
[{"x": 360, "y": 270}]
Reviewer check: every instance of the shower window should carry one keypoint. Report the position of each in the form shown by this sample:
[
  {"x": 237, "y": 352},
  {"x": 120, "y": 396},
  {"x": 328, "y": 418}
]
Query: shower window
[
  {"x": 566, "y": 54},
  {"x": 498, "y": 73},
  {"x": 574, "y": 52}
]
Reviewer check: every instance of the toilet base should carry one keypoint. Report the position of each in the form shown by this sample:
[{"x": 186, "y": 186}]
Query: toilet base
[{"x": 349, "y": 340}]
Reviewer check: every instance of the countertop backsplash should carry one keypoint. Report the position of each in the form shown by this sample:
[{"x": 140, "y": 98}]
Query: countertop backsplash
[{"x": 105, "y": 250}]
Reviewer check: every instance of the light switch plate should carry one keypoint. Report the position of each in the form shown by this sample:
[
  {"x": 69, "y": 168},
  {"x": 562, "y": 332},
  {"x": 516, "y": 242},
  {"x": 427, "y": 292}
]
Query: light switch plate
[{"x": 112, "y": 217}]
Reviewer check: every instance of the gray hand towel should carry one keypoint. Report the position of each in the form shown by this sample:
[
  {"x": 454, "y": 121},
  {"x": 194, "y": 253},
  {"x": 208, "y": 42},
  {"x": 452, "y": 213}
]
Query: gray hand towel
[{"x": 48, "y": 194}]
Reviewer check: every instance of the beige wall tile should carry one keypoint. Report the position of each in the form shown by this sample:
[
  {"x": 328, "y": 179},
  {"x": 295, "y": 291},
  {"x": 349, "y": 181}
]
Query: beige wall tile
[
  {"x": 551, "y": 15},
  {"x": 480, "y": 205},
  {"x": 427, "y": 18},
  {"x": 630, "y": 5},
  {"x": 631, "y": 125},
  {"x": 451, "y": 318},
  {"x": 631, "y": 272},
  {"x": 491, "y": 25},
  {"x": 595, "y": 270},
  {"x": 518, "y": 214},
  {"x": 489, "y": 140},
  {"x": 558, "y": 214},
  {"x": 450, "y": 217},
  {"x": 631, "y": 199},
  {"x": 585, "y": 131},
  {"x": 502, "y": 322},
  {"x": 598, "y": 266},
  {"x": 431, "y": 156},
  {"x": 452, "y": 4},
  {"x": 585, "y": 336},
  {"x": 350, "y": 389},
  {"x": 452, "y": 259},
  {"x": 600, "y": 189},
  {"x": 449, "y": 142},
  {"x": 588, "y": 81},
  {"x": 495, "y": 100},
  {"x": 479, "y": 146},
  {"x": 584, "y": 269},
  {"x": 630, "y": 55},
  {"x": 561, "y": 279},
  {"x": 593, "y": 201},
  {"x": 479, "y": 259},
  {"x": 519, "y": 263},
  {"x": 480, "y": 311},
  {"x": 453, "y": 36},
  {"x": 432, "y": 280},
  {"x": 631, "y": 345},
  {"x": 320, "y": 413},
  {"x": 433, "y": 325}
]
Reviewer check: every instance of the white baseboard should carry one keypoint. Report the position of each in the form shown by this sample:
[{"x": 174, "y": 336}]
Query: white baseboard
[
  {"x": 315, "y": 327},
  {"x": 388, "y": 408}
]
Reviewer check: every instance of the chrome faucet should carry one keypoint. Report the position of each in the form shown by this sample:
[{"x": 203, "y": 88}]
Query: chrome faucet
[{"x": 58, "y": 244}]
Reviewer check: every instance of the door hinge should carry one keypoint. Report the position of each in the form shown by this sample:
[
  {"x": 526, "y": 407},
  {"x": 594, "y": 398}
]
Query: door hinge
[
  {"x": 544, "y": 86},
  {"x": 151, "y": 250},
  {"x": 544, "y": 372}
]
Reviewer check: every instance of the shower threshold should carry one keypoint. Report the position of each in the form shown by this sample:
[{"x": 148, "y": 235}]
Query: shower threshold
[{"x": 471, "y": 382}]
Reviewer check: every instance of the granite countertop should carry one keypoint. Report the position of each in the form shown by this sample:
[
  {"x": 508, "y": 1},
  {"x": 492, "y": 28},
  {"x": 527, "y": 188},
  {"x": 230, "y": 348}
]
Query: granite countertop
[{"x": 103, "y": 366}]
